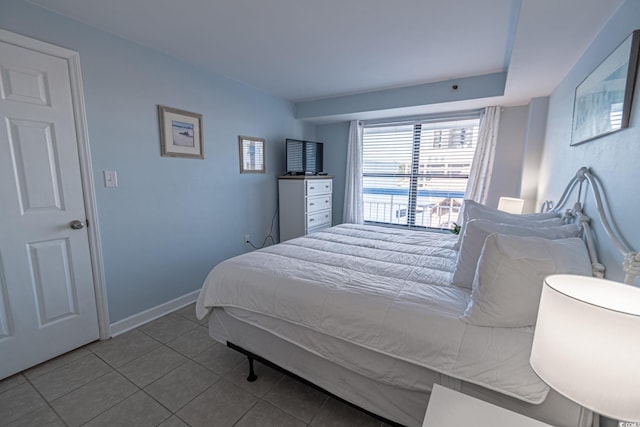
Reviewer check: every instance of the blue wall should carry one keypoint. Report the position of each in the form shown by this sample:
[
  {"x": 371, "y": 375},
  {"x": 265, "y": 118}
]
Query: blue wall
[
  {"x": 613, "y": 158},
  {"x": 507, "y": 163},
  {"x": 170, "y": 220},
  {"x": 336, "y": 139}
]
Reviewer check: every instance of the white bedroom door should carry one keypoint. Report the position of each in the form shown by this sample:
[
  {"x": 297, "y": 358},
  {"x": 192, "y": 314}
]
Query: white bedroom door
[{"x": 47, "y": 298}]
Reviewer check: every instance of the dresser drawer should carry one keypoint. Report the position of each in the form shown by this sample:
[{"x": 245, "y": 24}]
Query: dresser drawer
[
  {"x": 318, "y": 186},
  {"x": 319, "y": 220},
  {"x": 318, "y": 203}
]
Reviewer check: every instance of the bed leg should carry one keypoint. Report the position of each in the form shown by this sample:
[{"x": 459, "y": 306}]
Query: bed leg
[{"x": 252, "y": 375}]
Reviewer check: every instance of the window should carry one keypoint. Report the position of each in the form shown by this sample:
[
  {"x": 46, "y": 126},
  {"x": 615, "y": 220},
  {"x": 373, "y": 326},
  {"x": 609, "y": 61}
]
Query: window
[{"x": 415, "y": 173}]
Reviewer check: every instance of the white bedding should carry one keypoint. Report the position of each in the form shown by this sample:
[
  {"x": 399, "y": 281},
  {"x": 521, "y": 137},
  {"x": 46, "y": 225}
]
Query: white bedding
[{"x": 384, "y": 289}]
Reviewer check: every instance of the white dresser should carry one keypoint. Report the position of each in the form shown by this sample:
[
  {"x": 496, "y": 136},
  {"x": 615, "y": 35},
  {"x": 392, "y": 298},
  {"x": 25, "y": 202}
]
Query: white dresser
[{"x": 305, "y": 204}]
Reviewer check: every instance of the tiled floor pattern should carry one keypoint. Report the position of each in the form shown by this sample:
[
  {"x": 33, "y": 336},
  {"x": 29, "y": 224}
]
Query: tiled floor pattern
[{"x": 166, "y": 373}]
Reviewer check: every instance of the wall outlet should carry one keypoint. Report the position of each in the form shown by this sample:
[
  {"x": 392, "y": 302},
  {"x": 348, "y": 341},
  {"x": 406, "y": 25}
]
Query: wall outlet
[{"x": 247, "y": 239}]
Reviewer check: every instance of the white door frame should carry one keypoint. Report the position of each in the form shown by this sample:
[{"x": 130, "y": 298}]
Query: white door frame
[{"x": 86, "y": 169}]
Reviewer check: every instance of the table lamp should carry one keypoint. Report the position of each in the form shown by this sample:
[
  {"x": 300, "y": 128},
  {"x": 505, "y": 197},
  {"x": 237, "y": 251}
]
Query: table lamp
[
  {"x": 511, "y": 205},
  {"x": 587, "y": 343}
]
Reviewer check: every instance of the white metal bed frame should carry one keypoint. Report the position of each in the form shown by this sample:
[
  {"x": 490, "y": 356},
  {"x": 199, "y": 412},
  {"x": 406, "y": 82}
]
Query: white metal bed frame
[{"x": 631, "y": 258}]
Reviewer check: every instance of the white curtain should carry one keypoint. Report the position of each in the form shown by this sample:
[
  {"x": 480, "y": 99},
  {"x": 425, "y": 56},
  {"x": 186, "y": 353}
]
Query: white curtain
[
  {"x": 482, "y": 166},
  {"x": 353, "y": 205}
]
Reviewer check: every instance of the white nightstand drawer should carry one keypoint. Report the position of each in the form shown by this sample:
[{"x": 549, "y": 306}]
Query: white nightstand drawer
[
  {"x": 318, "y": 186},
  {"x": 319, "y": 219},
  {"x": 318, "y": 203}
]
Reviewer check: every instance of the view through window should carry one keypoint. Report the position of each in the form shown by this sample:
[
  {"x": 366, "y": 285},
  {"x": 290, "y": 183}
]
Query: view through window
[{"x": 415, "y": 174}]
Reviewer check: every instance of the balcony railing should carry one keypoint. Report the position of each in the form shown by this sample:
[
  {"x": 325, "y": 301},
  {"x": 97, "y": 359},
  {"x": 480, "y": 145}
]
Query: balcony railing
[{"x": 434, "y": 208}]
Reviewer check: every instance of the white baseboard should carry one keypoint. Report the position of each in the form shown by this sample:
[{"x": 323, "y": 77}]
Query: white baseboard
[{"x": 132, "y": 322}]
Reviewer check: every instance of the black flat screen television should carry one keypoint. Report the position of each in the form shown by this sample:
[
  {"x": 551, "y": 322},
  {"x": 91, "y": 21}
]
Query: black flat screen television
[{"x": 304, "y": 157}]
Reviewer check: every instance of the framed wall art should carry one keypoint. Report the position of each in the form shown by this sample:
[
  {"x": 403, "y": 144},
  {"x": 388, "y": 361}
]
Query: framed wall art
[
  {"x": 603, "y": 100},
  {"x": 180, "y": 133},
  {"x": 252, "y": 154}
]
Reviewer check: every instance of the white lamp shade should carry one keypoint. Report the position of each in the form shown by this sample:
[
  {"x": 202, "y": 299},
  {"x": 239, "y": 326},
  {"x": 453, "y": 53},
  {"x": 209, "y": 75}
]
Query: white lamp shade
[
  {"x": 511, "y": 205},
  {"x": 587, "y": 343}
]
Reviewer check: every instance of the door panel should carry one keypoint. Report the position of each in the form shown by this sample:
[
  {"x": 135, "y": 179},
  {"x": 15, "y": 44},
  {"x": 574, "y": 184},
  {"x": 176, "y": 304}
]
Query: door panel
[
  {"x": 24, "y": 85},
  {"x": 5, "y": 327},
  {"x": 35, "y": 165},
  {"x": 52, "y": 282},
  {"x": 47, "y": 298}
]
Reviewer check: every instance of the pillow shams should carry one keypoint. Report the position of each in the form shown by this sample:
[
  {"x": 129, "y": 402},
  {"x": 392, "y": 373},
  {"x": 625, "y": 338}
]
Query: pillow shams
[
  {"x": 508, "y": 280},
  {"x": 541, "y": 216},
  {"x": 477, "y": 230},
  {"x": 474, "y": 210}
]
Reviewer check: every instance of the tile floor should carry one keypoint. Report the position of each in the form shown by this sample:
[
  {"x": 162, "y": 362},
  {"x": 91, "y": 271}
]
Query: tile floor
[{"x": 166, "y": 373}]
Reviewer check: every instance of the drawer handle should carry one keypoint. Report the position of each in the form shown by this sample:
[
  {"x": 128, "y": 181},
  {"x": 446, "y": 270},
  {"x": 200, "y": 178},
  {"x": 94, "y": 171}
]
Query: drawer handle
[
  {"x": 312, "y": 188},
  {"x": 311, "y": 204},
  {"x": 311, "y": 219}
]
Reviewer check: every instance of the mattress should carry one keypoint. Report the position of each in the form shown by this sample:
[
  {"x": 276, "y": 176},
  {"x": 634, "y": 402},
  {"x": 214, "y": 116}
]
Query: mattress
[
  {"x": 373, "y": 385},
  {"x": 383, "y": 290}
]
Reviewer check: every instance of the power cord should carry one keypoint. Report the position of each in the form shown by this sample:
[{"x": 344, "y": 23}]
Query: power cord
[{"x": 269, "y": 235}]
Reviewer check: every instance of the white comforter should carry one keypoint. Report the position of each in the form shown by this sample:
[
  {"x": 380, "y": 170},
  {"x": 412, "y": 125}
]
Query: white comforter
[{"x": 384, "y": 289}]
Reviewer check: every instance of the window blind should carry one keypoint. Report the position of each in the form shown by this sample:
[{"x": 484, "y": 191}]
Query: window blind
[{"x": 415, "y": 173}]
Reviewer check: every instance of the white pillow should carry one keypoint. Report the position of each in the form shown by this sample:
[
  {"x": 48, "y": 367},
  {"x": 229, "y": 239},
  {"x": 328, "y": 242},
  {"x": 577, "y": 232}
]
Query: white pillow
[
  {"x": 508, "y": 281},
  {"x": 473, "y": 210},
  {"x": 477, "y": 230},
  {"x": 541, "y": 216}
]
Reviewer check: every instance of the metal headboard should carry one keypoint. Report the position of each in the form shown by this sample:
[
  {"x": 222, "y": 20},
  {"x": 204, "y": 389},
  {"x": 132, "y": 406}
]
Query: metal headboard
[{"x": 631, "y": 261}]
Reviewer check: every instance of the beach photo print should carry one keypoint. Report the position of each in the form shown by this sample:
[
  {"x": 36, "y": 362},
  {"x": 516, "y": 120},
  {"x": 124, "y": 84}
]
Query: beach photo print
[{"x": 180, "y": 133}]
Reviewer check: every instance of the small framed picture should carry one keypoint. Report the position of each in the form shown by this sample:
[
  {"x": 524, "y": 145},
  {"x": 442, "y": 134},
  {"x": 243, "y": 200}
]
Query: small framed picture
[
  {"x": 252, "y": 154},
  {"x": 180, "y": 133}
]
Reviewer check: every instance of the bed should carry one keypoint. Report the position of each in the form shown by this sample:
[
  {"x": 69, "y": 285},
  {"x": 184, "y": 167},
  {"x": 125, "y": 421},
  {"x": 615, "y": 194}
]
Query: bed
[{"x": 377, "y": 315}]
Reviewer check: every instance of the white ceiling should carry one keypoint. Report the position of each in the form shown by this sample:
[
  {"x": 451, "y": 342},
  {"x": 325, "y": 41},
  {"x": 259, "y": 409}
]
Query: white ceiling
[{"x": 304, "y": 49}]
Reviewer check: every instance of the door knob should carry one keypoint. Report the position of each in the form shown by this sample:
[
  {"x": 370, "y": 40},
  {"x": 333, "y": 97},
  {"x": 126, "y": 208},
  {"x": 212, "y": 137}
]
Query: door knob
[{"x": 76, "y": 225}]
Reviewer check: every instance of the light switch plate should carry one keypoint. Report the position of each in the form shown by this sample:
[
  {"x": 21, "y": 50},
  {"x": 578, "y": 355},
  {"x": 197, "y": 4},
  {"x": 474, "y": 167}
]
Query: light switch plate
[{"x": 110, "y": 178}]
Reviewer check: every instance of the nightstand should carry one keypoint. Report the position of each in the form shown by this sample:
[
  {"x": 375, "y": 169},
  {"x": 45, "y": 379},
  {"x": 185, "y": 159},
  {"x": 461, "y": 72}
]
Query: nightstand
[{"x": 449, "y": 408}]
